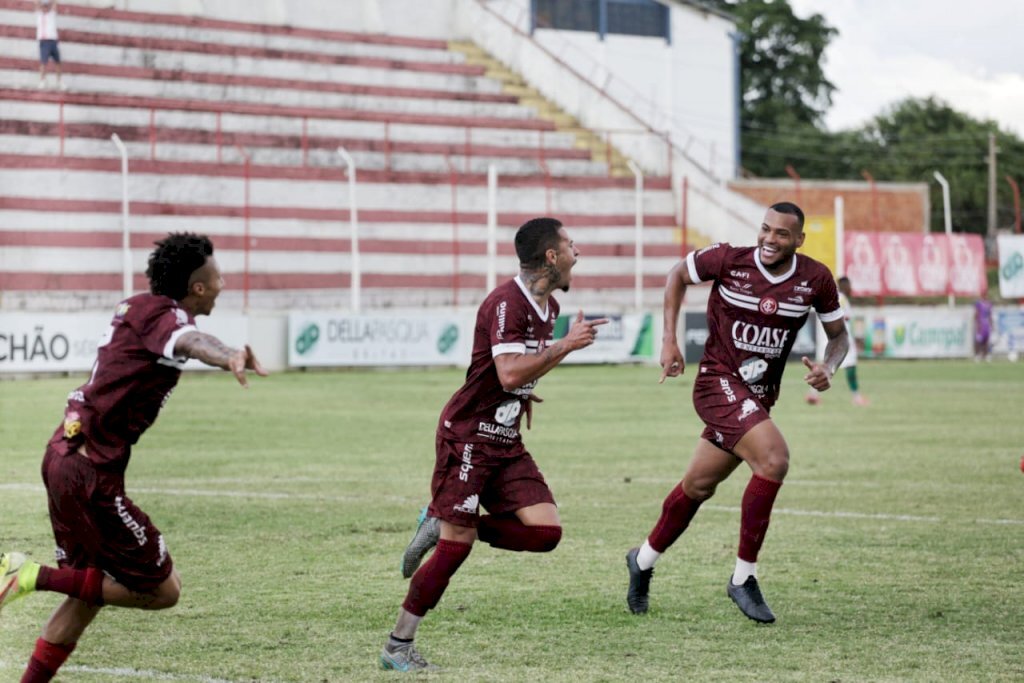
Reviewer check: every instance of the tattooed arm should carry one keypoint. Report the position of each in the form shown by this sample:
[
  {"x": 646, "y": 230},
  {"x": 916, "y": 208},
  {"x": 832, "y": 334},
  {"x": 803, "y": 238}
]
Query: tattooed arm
[
  {"x": 212, "y": 351},
  {"x": 518, "y": 369}
]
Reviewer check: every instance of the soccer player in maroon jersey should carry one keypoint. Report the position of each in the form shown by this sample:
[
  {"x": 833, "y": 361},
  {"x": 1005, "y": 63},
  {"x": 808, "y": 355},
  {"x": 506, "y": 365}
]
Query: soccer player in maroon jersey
[
  {"x": 481, "y": 460},
  {"x": 760, "y": 299},
  {"x": 108, "y": 550}
]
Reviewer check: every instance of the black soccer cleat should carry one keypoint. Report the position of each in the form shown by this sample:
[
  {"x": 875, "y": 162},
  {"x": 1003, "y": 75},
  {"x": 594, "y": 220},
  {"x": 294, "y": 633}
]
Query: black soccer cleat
[
  {"x": 748, "y": 598},
  {"x": 639, "y": 583}
]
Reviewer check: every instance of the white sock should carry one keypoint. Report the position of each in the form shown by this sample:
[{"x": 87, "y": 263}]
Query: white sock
[
  {"x": 647, "y": 556},
  {"x": 744, "y": 570}
]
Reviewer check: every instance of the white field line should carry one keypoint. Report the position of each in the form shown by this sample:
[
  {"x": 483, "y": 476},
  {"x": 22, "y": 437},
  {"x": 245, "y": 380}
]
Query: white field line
[
  {"x": 125, "y": 672},
  {"x": 270, "y": 495}
]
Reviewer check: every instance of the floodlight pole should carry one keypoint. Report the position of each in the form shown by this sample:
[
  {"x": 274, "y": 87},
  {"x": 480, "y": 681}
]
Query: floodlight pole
[
  {"x": 353, "y": 214},
  {"x": 492, "y": 227},
  {"x": 947, "y": 218},
  {"x": 126, "y": 250}
]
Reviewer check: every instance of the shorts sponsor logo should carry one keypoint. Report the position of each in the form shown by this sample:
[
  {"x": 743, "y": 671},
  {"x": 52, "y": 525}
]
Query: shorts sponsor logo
[
  {"x": 767, "y": 341},
  {"x": 60, "y": 555},
  {"x": 768, "y": 305},
  {"x": 718, "y": 437},
  {"x": 467, "y": 462},
  {"x": 162, "y": 547},
  {"x": 470, "y": 505},
  {"x": 753, "y": 369},
  {"x": 748, "y": 408},
  {"x": 137, "y": 529},
  {"x": 497, "y": 432},
  {"x": 507, "y": 412},
  {"x": 759, "y": 390},
  {"x": 727, "y": 389}
]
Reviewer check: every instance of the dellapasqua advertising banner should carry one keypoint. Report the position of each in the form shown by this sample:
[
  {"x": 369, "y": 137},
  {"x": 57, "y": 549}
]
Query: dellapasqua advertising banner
[{"x": 325, "y": 338}]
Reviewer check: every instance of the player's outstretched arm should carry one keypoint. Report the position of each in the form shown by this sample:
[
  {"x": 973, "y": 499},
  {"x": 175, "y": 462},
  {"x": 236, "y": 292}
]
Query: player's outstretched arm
[
  {"x": 517, "y": 369},
  {"x": 672, "y": 364},
  {"x": 212, "y": 351},
  {"x": 820, "y": 375}
]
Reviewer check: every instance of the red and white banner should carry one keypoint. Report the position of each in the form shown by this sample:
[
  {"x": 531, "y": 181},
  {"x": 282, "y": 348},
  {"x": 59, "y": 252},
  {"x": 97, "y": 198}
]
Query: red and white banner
[{"x": 914, "y": 264}]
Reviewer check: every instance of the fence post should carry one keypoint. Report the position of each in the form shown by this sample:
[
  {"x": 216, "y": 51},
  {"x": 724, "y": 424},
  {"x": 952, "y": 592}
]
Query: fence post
[
  {"x": 355, "y": 286},
  {"x": 126, "y": 250}
]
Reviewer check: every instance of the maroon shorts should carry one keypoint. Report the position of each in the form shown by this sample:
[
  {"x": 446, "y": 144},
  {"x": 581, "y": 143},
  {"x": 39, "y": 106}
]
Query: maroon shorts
[
  {"x": 728, "y": 408},
  {"x": 97, "y": 525},
  {"x": 468, "y": 475}
]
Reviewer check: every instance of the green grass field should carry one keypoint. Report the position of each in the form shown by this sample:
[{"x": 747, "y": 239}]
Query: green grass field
[{"x": 895, "y": 551}]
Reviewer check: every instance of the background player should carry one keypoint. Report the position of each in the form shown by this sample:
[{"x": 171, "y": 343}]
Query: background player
[
  {"x": 108, "y": 551},
  {"x": 760, "y": 299},
  {"x": 480, "y": 457}
]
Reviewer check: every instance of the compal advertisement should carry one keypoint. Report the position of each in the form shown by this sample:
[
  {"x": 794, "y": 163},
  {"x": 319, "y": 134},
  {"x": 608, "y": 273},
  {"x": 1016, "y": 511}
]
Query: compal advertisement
[
  {"x": 624, "y": 338},
  {"x": 393, "y": 338},
  {"x": 918, "y": 333}
]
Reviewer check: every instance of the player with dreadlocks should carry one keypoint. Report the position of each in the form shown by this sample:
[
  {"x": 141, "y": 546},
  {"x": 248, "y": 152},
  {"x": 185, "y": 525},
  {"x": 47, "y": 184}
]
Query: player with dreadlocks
[{"x": 108, "y": 550}]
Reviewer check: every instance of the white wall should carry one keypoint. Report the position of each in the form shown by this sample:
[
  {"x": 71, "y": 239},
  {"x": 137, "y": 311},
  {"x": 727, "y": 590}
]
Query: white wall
[{"x": 421, "y": 18}]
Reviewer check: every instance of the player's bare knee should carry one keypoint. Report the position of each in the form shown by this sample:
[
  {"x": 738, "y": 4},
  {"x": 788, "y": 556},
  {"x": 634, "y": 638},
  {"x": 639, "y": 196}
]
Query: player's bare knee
[
  {"x": 775, "y": 466},
  {"x": 167, "y": 594}
]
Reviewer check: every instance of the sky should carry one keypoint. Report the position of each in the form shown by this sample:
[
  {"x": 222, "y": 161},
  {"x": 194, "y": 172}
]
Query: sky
[{"x": 966, "y": 53}]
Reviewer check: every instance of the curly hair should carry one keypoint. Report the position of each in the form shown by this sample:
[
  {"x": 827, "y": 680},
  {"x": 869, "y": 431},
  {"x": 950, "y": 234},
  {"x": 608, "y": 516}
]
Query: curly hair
[
  {"x": 534, "y": 238},
  {"x": 174, "y": 260}
]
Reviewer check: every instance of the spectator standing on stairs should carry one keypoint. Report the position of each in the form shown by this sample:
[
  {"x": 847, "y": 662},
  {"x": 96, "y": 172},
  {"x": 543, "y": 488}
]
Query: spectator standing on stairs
[{"x": 46, "y": 34}]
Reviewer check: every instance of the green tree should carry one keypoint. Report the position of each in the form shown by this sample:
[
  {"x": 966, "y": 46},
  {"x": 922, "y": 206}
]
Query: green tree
[{"x": 783, "y": 84}]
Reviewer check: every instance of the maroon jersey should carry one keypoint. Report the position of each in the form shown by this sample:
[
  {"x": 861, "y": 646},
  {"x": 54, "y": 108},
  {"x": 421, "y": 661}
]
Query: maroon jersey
[
  {"x": 754, "y": 316},
  {"x": 133, "y": 376},
  {"x": 509, "y": 321}
]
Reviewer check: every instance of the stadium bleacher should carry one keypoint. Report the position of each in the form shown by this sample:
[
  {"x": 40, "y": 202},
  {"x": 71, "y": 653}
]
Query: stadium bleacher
[{"x": 192, "y": 97}]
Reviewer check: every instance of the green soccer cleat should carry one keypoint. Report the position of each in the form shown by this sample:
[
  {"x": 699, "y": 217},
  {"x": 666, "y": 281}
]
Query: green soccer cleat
[
  {"x": 17, "y": 577},
  {"x": 428, "y": 532},
  {"x": 404, "y": 658}
]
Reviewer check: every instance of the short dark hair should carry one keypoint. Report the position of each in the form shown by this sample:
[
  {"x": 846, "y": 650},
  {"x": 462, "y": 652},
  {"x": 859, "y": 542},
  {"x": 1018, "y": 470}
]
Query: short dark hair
[
  {"x": 791, "y": 209},
  {"x": 844, "y": 281},
  {"x": 534, "y": 238},
  {"x": 174, "y": 260}
]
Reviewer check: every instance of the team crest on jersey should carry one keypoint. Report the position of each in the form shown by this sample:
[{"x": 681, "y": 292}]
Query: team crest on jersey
[{"x": 768, "y": 305}]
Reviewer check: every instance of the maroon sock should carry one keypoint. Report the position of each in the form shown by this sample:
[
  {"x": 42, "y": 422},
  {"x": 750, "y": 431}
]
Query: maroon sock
[
  {"x": 508, "y": 533},
  {"x": 758, "y": 500},
  {"x": 84, "y": 584},
  {"x": 430, "y": 580},
  {"x": 676, "y": 513},
  {"x": 46, "y": 659}
]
